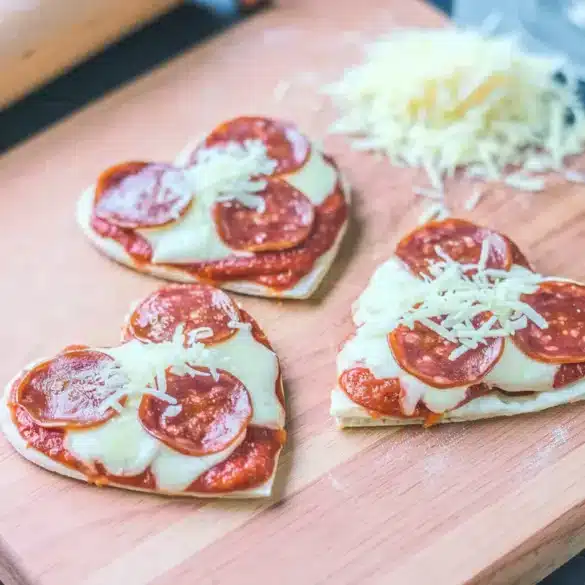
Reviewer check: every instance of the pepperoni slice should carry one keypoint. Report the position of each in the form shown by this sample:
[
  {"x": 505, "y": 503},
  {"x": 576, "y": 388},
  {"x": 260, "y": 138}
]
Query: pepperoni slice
[
  {"x": 49, "y": 441},
  {"x": 379, "y": 395},
  {"x": 208, "y": 417},
  {"x": 141, "y": 195},
  {"x": 289, "y": 266},
  {"x": 68, "y": 390},
  {"x": 473, "y": 392},
  {"x": 257, "y": 332},
  {"x": 74, "y": 347},
  {"x": 137, "y": 246},
  {"x": 425, "y": 354},
  {"x": 250, "y": 465},
  {"x": 459, "y": 239},
  {"x": 562, "y": 304},
  {"x": 281, "y": 281},
  {"x": 285, "y": 221},
  {"x": 284, "y": 143},
  {"x": 193, "y": 306},
  {"x": 568, "y": 373},
  {"x": 382, "y": 396}
]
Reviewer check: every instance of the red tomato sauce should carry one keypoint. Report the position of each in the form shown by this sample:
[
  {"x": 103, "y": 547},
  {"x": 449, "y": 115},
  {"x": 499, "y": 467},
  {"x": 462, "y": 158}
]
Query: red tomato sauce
[
  {"x": 249, "y": 466},
  {"x": 275, "y": 269}
]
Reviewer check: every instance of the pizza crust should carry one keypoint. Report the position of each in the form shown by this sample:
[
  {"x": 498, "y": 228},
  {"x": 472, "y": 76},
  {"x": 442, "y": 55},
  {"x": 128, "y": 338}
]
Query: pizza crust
[
  {"x": 14, "y": 438},
  {"x": 493, "y": 405},
  {"x": 302, "y": 290}
]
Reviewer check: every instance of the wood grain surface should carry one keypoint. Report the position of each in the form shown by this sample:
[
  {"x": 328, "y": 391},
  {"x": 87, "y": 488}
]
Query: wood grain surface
[
  {"x": 41, "y": 38},
  {"x": 490, "y": 503}
]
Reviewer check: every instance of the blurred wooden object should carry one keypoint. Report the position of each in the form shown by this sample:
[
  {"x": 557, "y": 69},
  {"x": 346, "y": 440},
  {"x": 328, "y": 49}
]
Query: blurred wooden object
[{"x": 41, "y": 38}]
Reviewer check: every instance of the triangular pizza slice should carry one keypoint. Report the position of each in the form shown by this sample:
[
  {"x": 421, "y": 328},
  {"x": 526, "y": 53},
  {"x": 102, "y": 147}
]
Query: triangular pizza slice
[
  {"x": 189, "y": 404},
  {"x": 457, "y": 326},
  {"x": 254, "y": 207}
]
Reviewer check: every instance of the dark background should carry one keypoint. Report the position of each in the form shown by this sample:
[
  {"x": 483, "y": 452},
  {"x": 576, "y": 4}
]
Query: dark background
[{"x": 135, "y": 55}]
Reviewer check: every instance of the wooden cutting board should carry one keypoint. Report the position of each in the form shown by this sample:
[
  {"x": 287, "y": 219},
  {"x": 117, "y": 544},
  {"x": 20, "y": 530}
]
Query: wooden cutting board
[{"x": 489, "y": 503}]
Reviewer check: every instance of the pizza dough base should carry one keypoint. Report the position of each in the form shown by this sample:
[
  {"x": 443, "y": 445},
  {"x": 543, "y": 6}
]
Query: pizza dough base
[
  {"x": 491, "y": 405},
  {"x": 302, "y": 290},
  {"x": 11, "y": 433}
]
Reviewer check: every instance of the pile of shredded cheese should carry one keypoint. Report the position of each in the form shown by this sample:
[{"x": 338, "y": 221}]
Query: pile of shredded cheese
[
  {"x": 228, "y": 171},
  {"x": 456, "y": 293},
  {"x": 443, "y": 99}
]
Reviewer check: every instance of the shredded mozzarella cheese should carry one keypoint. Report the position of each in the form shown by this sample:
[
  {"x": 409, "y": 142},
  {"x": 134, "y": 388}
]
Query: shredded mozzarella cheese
[
  {"x": 172, "y": 410},
  {"x": 199, "y": 333},
  {"x": 446, "y": 98},
  {"x": 144, "y": 366},
  {"x": 448, "y": 299},
  {"x": 453, "y": 297},
  {"x": 228, "y": 172}
]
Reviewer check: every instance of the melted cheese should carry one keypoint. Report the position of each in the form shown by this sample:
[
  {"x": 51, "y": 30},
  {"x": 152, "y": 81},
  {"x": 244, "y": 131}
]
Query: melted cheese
[
  {"x": 175, "y": 472},
  {"x": 144, "y": 365},
  {"x": 302, "y": 290},
  {"x": 388, "y": 296},
  {"x": 369, "y": 348},
  {"x": 435, "y": 400},
  {"x": 194, "y": 237},
  {"x": 391, "y": 292},
  {"x": 257, "y": 368},
  {"x": 220, "y": 173},
  {"x": 121, "y": 445},
  {"x": 516, "y": 372},
  {"x": 316, "y": 179},
  {"x": 124, "y": 447},
  {"x": 191, "y": 239},
  {"x": 343, "y": 406}
]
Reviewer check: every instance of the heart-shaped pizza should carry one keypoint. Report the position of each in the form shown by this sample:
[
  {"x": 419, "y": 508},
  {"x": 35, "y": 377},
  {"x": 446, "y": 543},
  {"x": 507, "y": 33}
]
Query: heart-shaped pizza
[
  {"x": 254, "y": 207},
  {"x": 190, "y": 403},
  {"x": 457, "y": 326}
]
